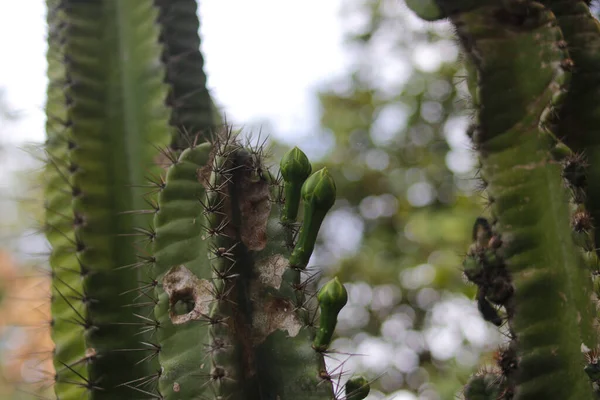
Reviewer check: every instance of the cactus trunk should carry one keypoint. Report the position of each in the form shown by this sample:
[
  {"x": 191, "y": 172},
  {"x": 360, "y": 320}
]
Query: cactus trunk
[{"x": 529, "y": 92}]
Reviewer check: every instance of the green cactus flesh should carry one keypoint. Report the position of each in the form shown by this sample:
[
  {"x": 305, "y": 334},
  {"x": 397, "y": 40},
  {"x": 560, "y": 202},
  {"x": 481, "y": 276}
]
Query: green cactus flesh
[
  {"x": 517, "y": 45},
  {"x": 114, "y": 117},
  {"x": 229, "y": 304}
]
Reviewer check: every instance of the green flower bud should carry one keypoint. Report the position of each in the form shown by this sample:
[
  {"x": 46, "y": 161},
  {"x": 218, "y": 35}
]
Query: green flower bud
[
  {"x": 295, "y": 166},
  {"x": 357, "y": 388},
  {"x": 318, "y": 193},
  {"x": 319, "y": 190},
  {"x": 332, "y": 298},
  {"x": 426, "y": 9},
  {"x": 295, "y": 169}
]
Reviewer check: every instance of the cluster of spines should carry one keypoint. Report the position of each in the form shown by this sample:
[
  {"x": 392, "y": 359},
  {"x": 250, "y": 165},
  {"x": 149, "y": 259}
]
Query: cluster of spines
[
  {"x": 223, "y": 253},
  {"x": 484, "y": 266}
]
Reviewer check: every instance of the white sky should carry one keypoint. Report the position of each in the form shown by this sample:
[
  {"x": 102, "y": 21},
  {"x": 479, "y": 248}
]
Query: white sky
[{"x": 264, "y": 59}]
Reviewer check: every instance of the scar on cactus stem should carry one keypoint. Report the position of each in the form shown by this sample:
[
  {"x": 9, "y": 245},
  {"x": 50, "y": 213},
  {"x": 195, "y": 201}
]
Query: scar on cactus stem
[
  {"x": 332, "y": 298},
  {"x": 318, "y": 194}
]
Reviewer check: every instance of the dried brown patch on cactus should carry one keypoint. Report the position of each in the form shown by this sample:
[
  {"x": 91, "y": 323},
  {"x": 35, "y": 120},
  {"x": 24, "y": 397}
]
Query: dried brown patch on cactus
[
  {"x": 271, "y": 314},
  {"x": 271, "y": 269},
  {"x": 255, "y": 206}
]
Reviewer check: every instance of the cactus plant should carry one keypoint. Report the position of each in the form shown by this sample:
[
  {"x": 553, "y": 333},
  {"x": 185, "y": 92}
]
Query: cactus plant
[
  {"x": 531, "y": 69},
  {"x": 179, "y": 266}
]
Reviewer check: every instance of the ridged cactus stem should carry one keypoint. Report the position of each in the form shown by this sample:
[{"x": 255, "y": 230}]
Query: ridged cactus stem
[
  {"x": 67, "y": 289},
  {"x": 578, "y": 121},
  {"x": 113, "y": 97},
  {"x": 550, "y": 313},
  {"x": 226, "y": 321},
  {"x": 193, "y": 112},
  {"x": 180, "y": 277}
]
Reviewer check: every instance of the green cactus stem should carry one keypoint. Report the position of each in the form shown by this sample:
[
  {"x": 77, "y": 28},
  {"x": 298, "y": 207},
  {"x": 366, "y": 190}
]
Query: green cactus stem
[
  {"x": 318, "y": 195},
  {"x": 193, "y": 111},
  {"x": 578, "y": 120},
  {"x": 518, "y": 44},
  {"x": 114, "y": 117},
  {"x": 179, "y": 273}
]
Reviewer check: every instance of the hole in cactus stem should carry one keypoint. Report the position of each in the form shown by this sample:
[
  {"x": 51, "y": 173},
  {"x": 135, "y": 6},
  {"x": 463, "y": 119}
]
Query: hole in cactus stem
[
  {"x": 189, "y": 297},
  {"x": 184, "y": 302}
]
